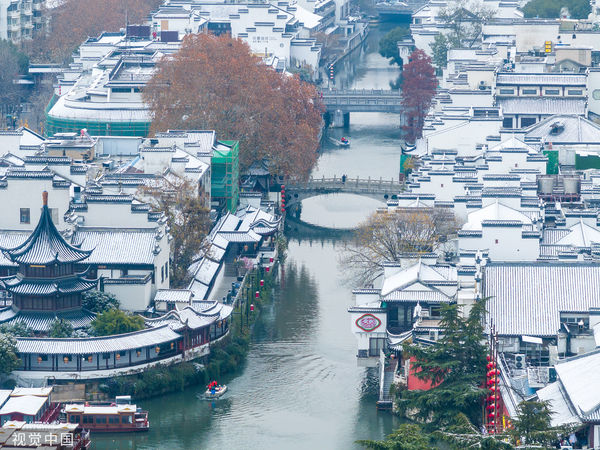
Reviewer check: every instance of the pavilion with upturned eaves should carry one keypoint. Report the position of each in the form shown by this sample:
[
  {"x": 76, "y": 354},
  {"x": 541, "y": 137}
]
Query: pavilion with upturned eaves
[{"x": 46, "y": 286}]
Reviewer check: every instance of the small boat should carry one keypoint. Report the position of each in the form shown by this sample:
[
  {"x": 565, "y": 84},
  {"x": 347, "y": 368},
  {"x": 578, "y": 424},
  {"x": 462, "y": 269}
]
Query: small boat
[
  {"x": 216, "y": 393},
  {"x": 343, "y": 142},
  {"x": 118, "y": 416}
]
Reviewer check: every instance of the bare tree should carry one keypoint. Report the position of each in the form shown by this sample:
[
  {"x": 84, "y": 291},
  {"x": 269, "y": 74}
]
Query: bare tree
[
  {"x": 386, "y": 236},
  {"x": 188, "y": 218},
  {"x": 465, "y": 20}
]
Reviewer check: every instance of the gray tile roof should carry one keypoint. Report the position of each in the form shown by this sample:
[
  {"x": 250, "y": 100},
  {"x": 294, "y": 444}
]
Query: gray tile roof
[
  {"x": 44, "y": 287},
  {"x": 542, "y": 105},
  {"x": 576, "y": 129},
  {"x": 173, "y": 295},
  {"x": 41, "y": 321},
  {"x": 45, "y": 245},
  {"x": 82, "y": 346},
  {"x": 541, "y": 79},
  {"x": 114, "y": 246},
  {"x": 526, "y": 299}
]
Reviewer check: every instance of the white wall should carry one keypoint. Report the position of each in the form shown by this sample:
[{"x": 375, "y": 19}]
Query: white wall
[
  {"x": 530, "y": 35},
  {"x": 27, "y": 193},
  {"x": 133, "y": 297},
  {"x": 504, "y": 244},
  {"x": 114, "y": 215},
  {"x": 593, "y": 88}
]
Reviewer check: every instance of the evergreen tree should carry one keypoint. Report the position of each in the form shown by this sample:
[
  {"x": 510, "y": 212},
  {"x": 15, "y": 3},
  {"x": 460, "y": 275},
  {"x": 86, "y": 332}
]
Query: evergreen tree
[
  {"x": 533, "y": 425},
  {"x": 406, "y": 437},
  {"x": 455, "y": 367},
  {"x": 388, "y": 45},
  {"x": 115, "y": 321},
  {"x": 98, "y": 302},
  {"x": 9, "y": 360},
  {"x": 439, "y": 48},
  {"x": 61, "y": 328}
]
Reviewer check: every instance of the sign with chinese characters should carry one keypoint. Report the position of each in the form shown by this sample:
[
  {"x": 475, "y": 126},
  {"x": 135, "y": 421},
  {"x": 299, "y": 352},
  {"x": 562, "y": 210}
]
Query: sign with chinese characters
[
  {"x": 368, "y": 322},
  {"x": 32, "y": 439}
]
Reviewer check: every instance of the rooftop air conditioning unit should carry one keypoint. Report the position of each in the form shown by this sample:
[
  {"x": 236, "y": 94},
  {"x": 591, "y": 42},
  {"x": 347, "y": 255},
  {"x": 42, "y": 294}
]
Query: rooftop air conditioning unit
[{"x": 520, "y": 361}]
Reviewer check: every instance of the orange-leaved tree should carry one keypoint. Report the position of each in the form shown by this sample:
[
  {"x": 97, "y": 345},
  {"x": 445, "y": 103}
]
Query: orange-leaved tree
[
  {"x": 418, "y": 89},
  {"x": 73, "y": 21},
  {"x": 216, "y": 83}
]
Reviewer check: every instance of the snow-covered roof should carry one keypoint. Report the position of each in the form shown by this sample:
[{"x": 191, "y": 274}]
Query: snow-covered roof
[
  {"x": 494, "y": 212},
  {"x": 527, "y": 298},
  {"x": 580, "y": 235},
  {"x": 421, "y": 277}
]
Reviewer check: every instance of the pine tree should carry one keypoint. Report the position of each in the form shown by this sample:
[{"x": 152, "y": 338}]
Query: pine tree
[{"x": 455, "y": 367}]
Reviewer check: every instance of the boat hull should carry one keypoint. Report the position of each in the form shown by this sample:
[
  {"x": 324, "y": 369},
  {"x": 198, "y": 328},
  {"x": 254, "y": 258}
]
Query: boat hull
[{"x": 218, "y": 392}]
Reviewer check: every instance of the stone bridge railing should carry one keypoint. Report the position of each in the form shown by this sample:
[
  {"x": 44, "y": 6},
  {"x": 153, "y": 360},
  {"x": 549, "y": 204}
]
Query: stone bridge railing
[
  {"x": 359, "y": 100},
  {"x": 360, "y": 186}
]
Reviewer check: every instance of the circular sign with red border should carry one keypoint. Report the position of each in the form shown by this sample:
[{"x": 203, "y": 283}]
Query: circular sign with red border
[{"x": 368, "y": 322}]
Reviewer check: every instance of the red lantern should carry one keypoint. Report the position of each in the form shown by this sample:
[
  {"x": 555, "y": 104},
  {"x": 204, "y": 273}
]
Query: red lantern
[
  {"x": 256, "y": 294},
  {"x": 493, "y": 388},
  {"x": 270, "y": 260},
  {"x": 491, "y": 415},
  {"x": 267, "y": 268},
  {"x": 488, "y": 357},
  {"x": 251, "y": 307},
  {"x": 491, "y": 407},
  {"x": 283, "y": 187},
  {"x": 262, "y": 283},
  {"x": 497, "y": 371},
  {"x": 491, "y": 365}
]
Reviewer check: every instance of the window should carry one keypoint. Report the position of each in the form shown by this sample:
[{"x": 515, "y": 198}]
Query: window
[
  {"x": 529, "y": 91},
  {"x": 575, "y": 92},
  {"x": 376, "y": 345},
  {"x": 88, "y": 419},
  {"x": 25, "y": 215},
  {"x": 113, "y": 419},
  {"x": 596, "y": 94},
  {"x": 73, "y": 419},
  {"x": 105, "y": 355},
  {"x": 162, "y": 274},
  {"x": 43, "y": 357},
  {"x": 507, "y": 91},
  {"x": 120, "y": 90},
  {"x": 435, "y": 311},
  {"x": 127, "y": 419},
  {"x": 507, "y": 122},
  {"x": 552, "y": 92},
  {"x": 527, "y": 121},
  {"x": 100, "y": 419}
]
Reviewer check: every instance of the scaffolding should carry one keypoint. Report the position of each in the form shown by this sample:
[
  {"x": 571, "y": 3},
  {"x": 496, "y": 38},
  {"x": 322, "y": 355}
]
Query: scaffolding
[{"x": 225, "y": 185}]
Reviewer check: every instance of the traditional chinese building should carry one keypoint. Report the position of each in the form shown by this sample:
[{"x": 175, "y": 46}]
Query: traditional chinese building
[{"x": 46, "y": 285}]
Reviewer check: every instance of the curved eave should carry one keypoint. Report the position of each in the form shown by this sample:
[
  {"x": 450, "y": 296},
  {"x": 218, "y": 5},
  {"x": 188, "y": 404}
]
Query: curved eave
[{"x": 48, "y": 288}]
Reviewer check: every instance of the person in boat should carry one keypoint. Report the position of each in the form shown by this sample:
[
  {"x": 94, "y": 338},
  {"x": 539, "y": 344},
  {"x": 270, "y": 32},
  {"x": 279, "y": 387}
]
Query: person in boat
[{"x": 344, "y": 140}]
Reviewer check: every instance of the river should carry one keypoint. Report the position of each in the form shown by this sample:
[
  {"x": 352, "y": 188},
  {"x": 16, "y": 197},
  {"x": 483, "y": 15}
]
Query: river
[{"x": 300, "y": 387}]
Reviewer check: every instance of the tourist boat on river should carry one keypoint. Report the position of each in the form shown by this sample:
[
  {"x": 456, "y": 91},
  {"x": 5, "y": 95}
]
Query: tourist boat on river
[
  {"x": 215, "y": 392},
  {"x": 119, "y": 416},
  {"x": 343, "y": 142}
]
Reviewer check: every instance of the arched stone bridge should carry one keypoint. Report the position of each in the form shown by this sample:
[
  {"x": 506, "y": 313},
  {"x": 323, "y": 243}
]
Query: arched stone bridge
[{"x": 378, "y": 189}]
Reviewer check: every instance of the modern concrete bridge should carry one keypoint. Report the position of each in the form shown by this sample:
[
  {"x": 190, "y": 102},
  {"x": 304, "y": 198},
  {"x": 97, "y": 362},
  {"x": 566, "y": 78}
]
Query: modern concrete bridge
[{"x": 378, "y": 189}]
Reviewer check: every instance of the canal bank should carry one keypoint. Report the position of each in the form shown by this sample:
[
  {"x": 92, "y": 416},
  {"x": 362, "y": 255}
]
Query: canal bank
[{"x": 300, "y": 387}]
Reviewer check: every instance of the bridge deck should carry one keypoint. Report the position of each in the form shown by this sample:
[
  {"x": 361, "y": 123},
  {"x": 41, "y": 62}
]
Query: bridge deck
[
  {"x": 362, "y": 100},
  {"x": 380, "y": 189}
]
